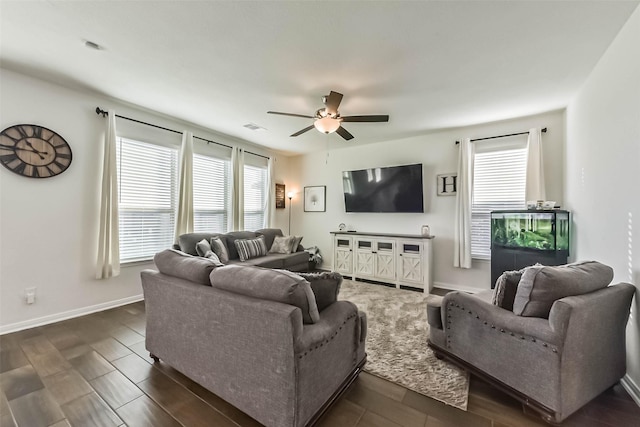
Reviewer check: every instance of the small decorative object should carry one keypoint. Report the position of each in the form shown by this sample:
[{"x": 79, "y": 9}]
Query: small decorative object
[
  {"x": 425, "y": 230},
  {"x": 314, "y": 198},
  {"x": 539, "y": 204},
  {"x": 34, "y": 151},
  {"x": 447, "y": 184},
  {"x": 342, "y": 226},
  {"x": 549, "y": 204},
  {"x": 280, "y": 202}
]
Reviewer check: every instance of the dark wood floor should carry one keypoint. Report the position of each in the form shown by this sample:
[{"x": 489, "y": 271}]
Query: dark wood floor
[{"x": 94, "y": 370}]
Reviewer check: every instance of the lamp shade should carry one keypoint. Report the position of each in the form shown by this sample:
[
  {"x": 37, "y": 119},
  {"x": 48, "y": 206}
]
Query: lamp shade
[{"x": 327, "y": 124}]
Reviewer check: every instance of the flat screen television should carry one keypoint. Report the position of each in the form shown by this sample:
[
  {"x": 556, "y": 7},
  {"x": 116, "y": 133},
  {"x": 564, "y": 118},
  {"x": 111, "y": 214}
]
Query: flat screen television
[{"x": 388, "y": 189}]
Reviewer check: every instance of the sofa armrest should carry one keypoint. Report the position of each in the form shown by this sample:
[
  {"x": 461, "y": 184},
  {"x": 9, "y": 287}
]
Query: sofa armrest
[
  {"x": 499, "y": 319},
  {"x": 327, "y": 353},
  {"x": 331, "y": 321},
  {"x": 594, "y": 354}
]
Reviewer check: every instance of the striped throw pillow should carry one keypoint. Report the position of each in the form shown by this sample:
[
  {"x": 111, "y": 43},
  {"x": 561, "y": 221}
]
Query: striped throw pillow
[{"x": 251, "y": 248}]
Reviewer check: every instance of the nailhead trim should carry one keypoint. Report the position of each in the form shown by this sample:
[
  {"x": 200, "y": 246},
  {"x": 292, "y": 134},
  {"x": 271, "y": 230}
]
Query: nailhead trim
[
  {"x": 453, "y": 305},
  {"x": 300, "y": 356}
]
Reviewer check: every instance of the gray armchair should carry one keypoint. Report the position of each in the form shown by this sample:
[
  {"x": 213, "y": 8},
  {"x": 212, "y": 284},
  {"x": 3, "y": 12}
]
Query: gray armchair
[{"x": 554, "y": 363}]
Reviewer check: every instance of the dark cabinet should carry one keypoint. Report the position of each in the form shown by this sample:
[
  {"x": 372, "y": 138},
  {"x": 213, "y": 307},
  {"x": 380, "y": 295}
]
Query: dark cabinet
[{"x": 520, "y": 238}]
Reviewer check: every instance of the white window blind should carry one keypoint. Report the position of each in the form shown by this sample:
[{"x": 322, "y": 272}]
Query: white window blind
[
  {"x": 147, "y": 191},
  {"x": 255, "y": 193},
  {"x": 499, "y": 180},
  {"x": 210, "y": 194}
]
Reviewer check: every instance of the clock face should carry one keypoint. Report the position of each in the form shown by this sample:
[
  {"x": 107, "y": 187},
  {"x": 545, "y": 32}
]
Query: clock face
[{"x": 34, "y": 151}]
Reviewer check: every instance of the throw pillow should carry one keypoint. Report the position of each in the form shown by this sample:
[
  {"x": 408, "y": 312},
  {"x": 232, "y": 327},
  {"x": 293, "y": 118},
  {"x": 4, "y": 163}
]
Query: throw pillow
[
  {"x": 267, "y": 284},
  {"x": 204, "y": 250},
  {"x": 325, "y": 287},
  {"x": 540, "y": 286},
  {"x": 176, "y": 263},
  {"x": 220, "y": 249},
  {"x": 251, "y": 248},
  {"x": 296, "y": 243},
  {"x": 505, "y": 291},
  {"x": 281, "y": 245}
]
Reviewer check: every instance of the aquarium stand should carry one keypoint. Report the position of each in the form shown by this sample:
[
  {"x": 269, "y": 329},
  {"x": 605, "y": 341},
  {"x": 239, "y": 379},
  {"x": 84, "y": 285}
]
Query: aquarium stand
[{"x": 520, "y": 238}]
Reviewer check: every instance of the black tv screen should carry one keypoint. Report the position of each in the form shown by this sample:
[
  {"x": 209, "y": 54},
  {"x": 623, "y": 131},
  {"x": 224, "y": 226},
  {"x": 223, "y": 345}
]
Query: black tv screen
[{"x": 390, "y": 189}]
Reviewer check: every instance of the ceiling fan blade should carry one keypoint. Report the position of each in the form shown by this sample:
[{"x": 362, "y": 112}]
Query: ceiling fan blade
[
  {"x": 344, "y": 133},
  {"x": 300, "y": 132},
  {"x": 332, "y": 102},
  {"x": 290, "y": 114},
  {"x": 379, "y": 118}
]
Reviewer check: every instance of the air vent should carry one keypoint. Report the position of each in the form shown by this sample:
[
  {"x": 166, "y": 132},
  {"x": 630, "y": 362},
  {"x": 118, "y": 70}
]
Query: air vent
[{"x": 254, "y": 127}]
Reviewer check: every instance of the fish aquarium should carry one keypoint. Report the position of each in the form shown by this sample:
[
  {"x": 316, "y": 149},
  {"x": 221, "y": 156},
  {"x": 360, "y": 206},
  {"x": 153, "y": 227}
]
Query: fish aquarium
[{"x": 537, "y": 230}]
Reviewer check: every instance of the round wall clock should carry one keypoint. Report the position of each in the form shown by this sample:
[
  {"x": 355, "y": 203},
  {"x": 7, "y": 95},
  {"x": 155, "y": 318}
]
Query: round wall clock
[{"x": 34, "y": 151}]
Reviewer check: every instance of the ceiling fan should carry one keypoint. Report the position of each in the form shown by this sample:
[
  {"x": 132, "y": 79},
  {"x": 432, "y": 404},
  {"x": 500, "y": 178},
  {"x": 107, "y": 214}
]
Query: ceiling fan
[{"x": 328, "y": 119}]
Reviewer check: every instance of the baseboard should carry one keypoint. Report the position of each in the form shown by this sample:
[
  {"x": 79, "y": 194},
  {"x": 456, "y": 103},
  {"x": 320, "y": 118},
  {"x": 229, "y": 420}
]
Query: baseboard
[
  {"x": 45, "y": 320},
  {"x": 452, "y": 287},
  {"x": 632, "y": 388}
]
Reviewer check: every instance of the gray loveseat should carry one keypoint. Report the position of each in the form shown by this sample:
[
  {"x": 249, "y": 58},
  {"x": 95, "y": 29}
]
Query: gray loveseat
[
  {"x": 295, "y": 261},
  {"x": 553, "y": 337},
  {"x": 277, "y": 345}
]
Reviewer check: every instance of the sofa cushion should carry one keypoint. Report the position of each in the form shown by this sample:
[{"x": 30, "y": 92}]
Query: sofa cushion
[
  {"x": 273, "y": 285},
  {"x": 325, "y": 286},
  {"x": 251, "y": 248},
  {"x": 187, "y": 242},
  {"x": 219, "y": 248},
  {"x": 282, "y": 244},
  {"x": 540, "y": 286},
  {"x": 505, "y": 291},
  {"x": 267, "y": 261},
  {"x": 180, "y": 264},
  {"x": 231, "y": 238},
  {"x": 269, "y": 234}
]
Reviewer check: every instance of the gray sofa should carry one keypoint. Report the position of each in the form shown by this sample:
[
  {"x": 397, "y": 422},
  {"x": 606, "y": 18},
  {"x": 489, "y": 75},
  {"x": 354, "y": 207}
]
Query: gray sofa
[
  {"x": 277, "y": 345},
  {"x": 553, "y": 337},
  {"x": 295, "y": 261}
]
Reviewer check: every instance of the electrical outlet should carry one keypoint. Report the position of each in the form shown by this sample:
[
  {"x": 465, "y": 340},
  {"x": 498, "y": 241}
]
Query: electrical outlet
[{"x": 30, "y": 295}]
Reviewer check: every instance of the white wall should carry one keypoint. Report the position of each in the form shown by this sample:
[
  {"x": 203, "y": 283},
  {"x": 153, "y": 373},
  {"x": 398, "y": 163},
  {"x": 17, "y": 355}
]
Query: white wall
[
  {"x": 603, "y": 170},
  {"x": 48, "y": 227},
  {"x": 438, "y": 154}
]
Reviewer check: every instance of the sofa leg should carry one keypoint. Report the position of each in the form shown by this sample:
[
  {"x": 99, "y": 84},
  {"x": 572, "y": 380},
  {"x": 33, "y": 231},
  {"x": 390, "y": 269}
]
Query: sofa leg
[{"x": 155, "y": 358}]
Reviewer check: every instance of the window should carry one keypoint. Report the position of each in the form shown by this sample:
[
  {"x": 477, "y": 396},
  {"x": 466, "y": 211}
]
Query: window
[
  {"x": 210, "y": 194},
  {"x": 255, "y": 194},
  {"x": 147, "y": 191},
  {"x": 499, "y": 180}
]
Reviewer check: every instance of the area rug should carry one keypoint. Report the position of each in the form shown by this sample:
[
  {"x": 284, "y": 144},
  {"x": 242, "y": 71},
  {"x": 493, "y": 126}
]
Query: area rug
[{"x": 397, "y": 343}]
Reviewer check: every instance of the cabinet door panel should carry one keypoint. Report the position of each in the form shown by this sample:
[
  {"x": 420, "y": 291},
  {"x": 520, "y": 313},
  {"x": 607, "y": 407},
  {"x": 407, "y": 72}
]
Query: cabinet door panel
[
  {"x": 385, "y": 265},
  {"x": 364, "y": 263},
  {"x": 411, "y": 268},
  {"x": 344, "y": 261}
]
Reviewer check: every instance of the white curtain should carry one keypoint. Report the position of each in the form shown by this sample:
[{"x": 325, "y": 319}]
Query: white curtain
[
  {"x": 270, "y": 208},
  {"x": 184, "y": 216},
  {"x": 237, "y": 189},
  {"x": 535, "y": 170},
  {"x": 464, "y": 198},
  {"x": 108, "y": 263}
]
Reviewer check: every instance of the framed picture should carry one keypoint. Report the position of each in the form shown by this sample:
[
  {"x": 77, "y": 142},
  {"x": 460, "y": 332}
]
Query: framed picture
[
  {"x": 314, "y": 198},
  {"x": 280, "y": 202},
  {"x": 447, "y": 184}
]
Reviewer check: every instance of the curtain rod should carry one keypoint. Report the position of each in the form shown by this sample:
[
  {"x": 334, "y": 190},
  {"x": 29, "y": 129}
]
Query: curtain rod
[
  {"x": 544, "y": 130},
  {"x": 104, "y": 114}
]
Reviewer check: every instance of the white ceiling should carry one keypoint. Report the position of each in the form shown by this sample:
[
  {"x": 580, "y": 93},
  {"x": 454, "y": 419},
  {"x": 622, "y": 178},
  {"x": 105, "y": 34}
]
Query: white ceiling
[{"x": 222, "y": 64}]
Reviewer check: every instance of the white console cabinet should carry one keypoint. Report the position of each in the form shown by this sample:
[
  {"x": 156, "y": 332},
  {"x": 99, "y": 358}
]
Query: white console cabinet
[{"x": 399, "y": 259}]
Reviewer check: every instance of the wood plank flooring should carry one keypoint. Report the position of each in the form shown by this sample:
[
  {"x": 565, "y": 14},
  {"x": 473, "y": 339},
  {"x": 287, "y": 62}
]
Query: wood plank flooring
[{"x": 95, "y": 371}]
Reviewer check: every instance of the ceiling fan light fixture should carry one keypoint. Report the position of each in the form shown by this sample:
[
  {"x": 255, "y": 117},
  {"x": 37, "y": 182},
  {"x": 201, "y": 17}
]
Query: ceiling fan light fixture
[{"x": 327, "y": 124}]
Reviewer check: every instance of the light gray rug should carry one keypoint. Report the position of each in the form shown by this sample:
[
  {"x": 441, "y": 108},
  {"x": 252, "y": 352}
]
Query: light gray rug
[{"x": 397, "y": 343}]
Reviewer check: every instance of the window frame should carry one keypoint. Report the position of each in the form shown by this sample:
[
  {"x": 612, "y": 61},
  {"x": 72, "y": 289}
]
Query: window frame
[{"x": 514, "y": 151}]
